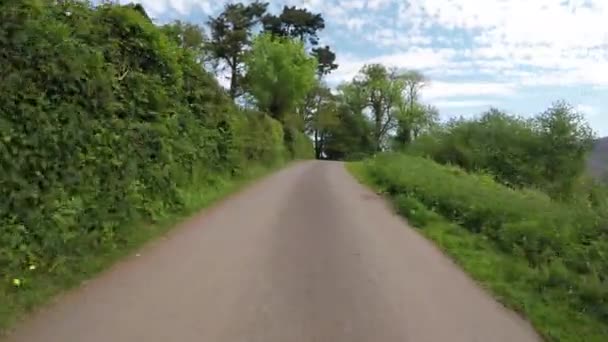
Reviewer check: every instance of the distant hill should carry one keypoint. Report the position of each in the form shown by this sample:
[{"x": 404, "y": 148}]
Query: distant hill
[{"x": 598, "y": 159}]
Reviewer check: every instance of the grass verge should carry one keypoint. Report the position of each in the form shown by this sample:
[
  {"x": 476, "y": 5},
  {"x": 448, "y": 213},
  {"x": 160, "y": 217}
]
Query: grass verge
[
  {"x": 40, "y": 288},
  {"x": 551, "y": 297}
]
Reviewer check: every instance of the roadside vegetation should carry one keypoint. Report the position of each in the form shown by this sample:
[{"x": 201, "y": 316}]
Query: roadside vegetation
[
  {"x": 544, "y": 258},
  {"x": 112, "y": 128},
  {"x": 513, "y": 204}
]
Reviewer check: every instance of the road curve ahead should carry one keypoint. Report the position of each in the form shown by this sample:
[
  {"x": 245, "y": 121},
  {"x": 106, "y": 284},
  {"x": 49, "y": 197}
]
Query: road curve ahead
[{"x": 306, "y": 255}]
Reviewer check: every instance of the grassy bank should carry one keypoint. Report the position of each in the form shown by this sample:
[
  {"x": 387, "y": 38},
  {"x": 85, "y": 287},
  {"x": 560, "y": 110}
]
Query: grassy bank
[
  {"x": 39, "y": 286},
  {"x": 544, "y": 259}
]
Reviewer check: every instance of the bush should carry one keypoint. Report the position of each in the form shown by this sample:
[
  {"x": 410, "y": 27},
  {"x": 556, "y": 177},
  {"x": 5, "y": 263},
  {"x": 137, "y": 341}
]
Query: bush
[{"x": 563, "y": 248}]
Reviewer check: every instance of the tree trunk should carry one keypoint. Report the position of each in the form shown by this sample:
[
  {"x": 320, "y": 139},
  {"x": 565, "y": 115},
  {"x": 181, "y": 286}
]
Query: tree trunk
[
  {"x": 378, "y": 123},
  {"x": 317, "y": 145},
  {"x": 416, "y": 133},
  {"x": 233, "y": 79}
]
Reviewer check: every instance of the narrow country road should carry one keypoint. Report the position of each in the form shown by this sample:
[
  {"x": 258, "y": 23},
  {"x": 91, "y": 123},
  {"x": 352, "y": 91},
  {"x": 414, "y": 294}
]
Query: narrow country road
[{"x": 305, "y": 255}]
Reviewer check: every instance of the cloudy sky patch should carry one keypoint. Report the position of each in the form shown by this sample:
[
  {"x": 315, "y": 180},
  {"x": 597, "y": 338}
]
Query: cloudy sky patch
[{"x": 518, "y": 55}]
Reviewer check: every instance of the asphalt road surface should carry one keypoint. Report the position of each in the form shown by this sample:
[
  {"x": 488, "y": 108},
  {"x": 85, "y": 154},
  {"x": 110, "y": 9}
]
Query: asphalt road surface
[{"x": 306, "y": 254}]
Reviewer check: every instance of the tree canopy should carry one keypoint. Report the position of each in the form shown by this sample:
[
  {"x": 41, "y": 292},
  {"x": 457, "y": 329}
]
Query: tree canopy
[
  {"x": 231, "y": 34},
  {"x": 279, "y": 75}
]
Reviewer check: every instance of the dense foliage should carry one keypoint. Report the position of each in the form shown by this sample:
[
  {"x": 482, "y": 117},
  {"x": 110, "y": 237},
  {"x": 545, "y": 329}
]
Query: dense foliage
[
  {"x": 108, "y": 121},
  {"x": 551, "y": 258}
]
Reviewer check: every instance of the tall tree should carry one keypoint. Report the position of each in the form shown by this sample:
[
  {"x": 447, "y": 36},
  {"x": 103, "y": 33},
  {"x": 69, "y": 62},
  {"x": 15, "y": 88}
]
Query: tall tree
[
  {"x": 295, "y": 22},
  {"x": 231, "y": 34},
  {"x": 300, "y": 23},
  {"x": 413, "y": 116},
  {"x": 279, "y": 75},
  {"x": 380, "y": 91}
]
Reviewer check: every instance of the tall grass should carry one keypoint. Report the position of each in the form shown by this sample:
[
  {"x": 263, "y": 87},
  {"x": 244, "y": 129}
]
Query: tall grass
[{"x": 546, "y": 259}]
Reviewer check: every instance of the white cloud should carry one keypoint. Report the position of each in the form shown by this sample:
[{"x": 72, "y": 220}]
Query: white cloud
[
  {"x": 588, "y": 110},
  {"x": 355, "y": 23},
  {"x": 377, "y": 4},
  {"x": 417, "y": 58},
  {"x": 572, "y": 38},
  {"x": 387, "y": 37},
  {"x": 352, "y": 4},
  {"x": 532, "y": 43},
  {"x": 436, "y": 90},
  {"x": 181, "y": 6},
  {"x": 460, "y": 103}
]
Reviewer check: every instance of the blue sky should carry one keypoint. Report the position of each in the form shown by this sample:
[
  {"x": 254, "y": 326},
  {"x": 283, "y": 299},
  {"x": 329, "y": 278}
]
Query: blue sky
[{"x": 517, "y": 55}]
